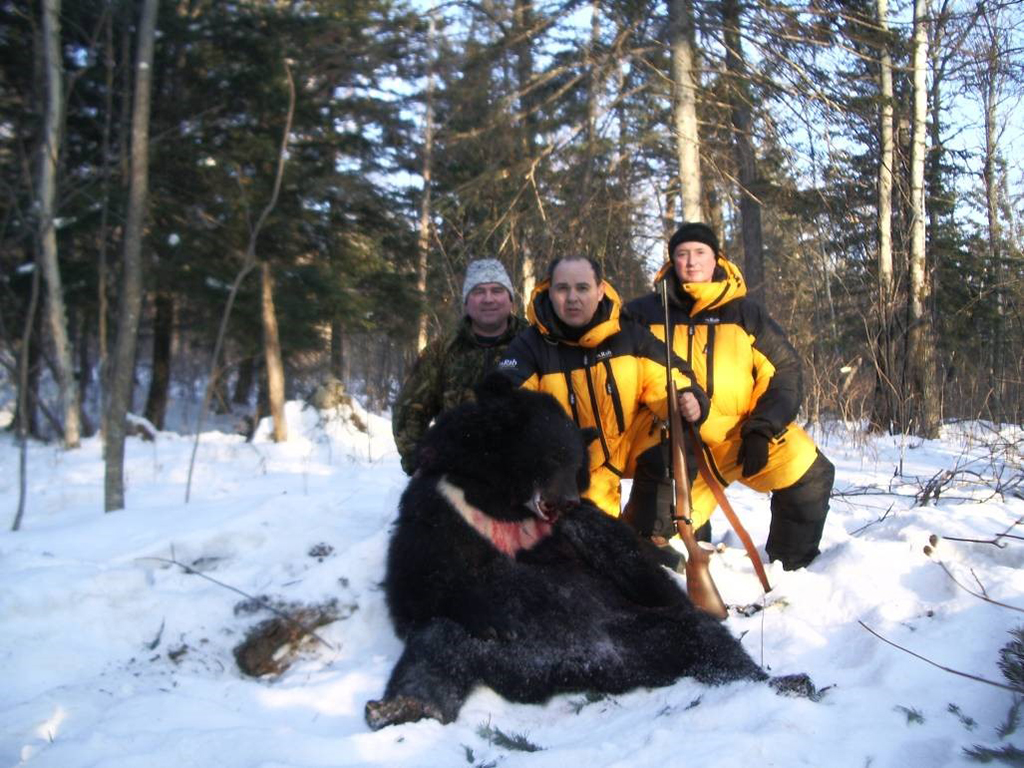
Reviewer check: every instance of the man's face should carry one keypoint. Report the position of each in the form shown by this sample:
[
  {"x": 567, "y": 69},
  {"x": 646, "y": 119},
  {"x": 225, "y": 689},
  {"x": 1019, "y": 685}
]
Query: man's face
[
  {"x": 575, "y": 293},
  {"x": 488, "y": 307},
  {"x": 694, "y": 262}
]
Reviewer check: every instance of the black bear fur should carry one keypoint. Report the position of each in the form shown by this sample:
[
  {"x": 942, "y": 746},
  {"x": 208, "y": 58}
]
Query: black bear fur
[{"x": 572, "y": 603}]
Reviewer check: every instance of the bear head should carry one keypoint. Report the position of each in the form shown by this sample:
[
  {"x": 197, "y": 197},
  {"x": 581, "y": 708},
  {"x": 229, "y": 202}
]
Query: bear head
[{"x": 513, "y": 452}]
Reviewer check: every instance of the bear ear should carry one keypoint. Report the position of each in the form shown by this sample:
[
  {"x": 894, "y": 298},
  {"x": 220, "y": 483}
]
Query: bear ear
[
  {"x": 494, "y": 385},
  {"x": 589, "y": 435}
]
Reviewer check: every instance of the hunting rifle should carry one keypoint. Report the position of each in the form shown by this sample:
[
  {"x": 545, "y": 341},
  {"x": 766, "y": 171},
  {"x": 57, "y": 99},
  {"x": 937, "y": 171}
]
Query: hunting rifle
[
  {"x": 699, "y": 584},
  {"x": 703, "y": 588}
]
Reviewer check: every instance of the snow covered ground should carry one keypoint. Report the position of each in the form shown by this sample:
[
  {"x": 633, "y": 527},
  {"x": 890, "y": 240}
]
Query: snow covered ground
[{"x": 112, "y": 656}]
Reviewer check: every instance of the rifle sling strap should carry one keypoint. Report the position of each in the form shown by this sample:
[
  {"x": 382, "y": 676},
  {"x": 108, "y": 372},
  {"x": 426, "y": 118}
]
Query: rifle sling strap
[{"x": 730, "y": 513}]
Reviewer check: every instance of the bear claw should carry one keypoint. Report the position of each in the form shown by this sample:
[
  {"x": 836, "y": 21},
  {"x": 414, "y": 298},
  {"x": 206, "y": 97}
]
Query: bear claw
[
  {"x": 798, "y": 686},
  {"x": 400, "y": 709}
]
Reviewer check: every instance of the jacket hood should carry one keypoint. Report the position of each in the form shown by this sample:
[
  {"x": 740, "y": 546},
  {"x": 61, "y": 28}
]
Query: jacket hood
[
  {"x": 726, "y": 285},
  {"x": 541, "y": 314}
]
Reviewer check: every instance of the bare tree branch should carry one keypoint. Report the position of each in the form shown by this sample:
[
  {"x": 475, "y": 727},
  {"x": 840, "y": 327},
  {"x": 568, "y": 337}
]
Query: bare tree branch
[
  {"x": 246, "y": 595},
  {"x": 934, "y": 664}
]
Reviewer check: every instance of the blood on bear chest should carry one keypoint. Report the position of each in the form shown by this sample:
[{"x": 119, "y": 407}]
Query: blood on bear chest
[{"x": 507, "y": 536}]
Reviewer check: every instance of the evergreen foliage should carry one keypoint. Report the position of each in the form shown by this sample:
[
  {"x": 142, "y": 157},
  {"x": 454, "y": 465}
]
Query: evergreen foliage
[
  {"x": 1011, "y": 659},
  {"x": 552, "y": 134},
  {"x": 516, "y": 742},
  {"x": 1011, "y": 664}
]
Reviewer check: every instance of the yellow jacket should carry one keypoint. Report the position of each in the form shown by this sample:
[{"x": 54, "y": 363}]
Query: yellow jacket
[
  {"x": 742, "y": 359},
  {"x": 603, "y": 379}
]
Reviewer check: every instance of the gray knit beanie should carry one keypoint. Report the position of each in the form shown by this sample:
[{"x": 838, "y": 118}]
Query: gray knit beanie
[{"x": 485, "y": 271}]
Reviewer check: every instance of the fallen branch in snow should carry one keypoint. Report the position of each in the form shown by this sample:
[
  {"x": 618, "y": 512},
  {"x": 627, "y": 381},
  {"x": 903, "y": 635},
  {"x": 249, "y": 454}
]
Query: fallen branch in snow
[
  {"x": 270, "y": 647},
  {"x": 934, "y": 664},
  {"x": 998, "y": 479},
  {"x": 930, "y": 551},
  {"x": 962, "y": 477},
  {"x": 880, "y": 519},
  {"x": 995, "y": 541},
  {"x": 262, "y": 603},
  {"x": 984, "y": 597},
  {"x": 877, "y": 490},
  {"x": 930, "y": 492},
  {"x": 1001, "y": 474}
]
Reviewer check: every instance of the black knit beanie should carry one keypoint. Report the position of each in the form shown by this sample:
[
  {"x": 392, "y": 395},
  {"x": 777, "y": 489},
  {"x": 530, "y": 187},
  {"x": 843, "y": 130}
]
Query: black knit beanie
[{"x": 693, "y": 232}]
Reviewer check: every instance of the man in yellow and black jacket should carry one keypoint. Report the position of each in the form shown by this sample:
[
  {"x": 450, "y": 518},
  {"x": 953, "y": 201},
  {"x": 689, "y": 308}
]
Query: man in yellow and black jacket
[
  {"x": 607, "y": 372},
  {"x": 753, "y": 375}
]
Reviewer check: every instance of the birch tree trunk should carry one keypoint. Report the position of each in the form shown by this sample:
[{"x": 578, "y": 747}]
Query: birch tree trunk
[
  {"x": 743, "y": 151},
  {"x": 883, "y": 408},
  {"x": 122, "y": 373},
  {"x": 522, "y": 35},
  {"x": 47, "y": 193},
  {"x": 920, "y": 348},
  {"x": 272, "y": 355},
  {"x": 885, "y": 166},
  {"x": 989, "y": 84},
  {"x": 684, "y": 107},
  {"x": 423, "y": 239}
]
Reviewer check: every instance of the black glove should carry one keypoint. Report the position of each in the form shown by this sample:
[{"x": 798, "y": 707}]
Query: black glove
[{"x": 753, "y": 453}]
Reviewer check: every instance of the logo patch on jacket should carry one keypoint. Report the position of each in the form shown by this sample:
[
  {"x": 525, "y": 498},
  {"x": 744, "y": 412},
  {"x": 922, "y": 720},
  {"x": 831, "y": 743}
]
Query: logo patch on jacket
[
  {"x": 604, "y": 354},
  {"x": 508, "y": 362}
]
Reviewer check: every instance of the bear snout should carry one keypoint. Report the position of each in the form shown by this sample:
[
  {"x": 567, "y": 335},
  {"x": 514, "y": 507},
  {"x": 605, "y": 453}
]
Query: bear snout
[{"x": 550, "y": 507}]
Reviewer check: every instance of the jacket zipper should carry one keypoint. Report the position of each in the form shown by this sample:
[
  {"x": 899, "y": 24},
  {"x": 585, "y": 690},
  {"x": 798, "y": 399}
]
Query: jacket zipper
[
  {"x": 597, "y": 415},
  {"x": 613, "y": 392},
  {"x": 709, "y": 355}
]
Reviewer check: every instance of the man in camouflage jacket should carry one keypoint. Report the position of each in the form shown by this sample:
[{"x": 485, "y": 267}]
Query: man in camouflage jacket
[{"x": 449, "y": 367}]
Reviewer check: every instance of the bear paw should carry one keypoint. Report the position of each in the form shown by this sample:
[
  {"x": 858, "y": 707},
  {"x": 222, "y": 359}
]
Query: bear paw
[
  {"x": 798, "y": 686},
  {"x": 400, "y": 709},
  {"x": 491, "y": 627}
]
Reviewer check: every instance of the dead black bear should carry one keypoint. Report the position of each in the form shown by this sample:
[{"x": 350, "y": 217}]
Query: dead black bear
[{"x": 498, "y": 575}]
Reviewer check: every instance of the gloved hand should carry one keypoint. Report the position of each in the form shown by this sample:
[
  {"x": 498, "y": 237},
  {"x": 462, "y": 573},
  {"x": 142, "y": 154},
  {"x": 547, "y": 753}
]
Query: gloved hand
[{"x": 753, "y": 454}]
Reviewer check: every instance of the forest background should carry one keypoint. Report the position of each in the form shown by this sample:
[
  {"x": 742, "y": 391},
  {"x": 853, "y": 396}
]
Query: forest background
[{"x": 238, "y": 202}]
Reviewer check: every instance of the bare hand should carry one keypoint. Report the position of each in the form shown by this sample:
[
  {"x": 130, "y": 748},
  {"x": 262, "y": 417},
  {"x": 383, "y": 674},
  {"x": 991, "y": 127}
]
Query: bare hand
[{"x": 689, "y": 407}]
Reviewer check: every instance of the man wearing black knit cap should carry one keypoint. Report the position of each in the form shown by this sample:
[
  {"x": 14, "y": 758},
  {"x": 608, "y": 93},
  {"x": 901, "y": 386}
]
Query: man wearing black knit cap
[{"x": 752, "y": 374}]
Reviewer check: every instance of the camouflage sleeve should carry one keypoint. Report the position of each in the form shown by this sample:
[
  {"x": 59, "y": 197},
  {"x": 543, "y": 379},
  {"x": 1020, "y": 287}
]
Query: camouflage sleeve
[{"x": 418, "y": 403}]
